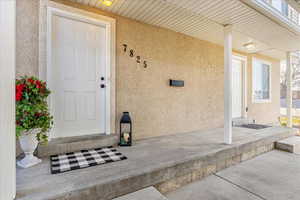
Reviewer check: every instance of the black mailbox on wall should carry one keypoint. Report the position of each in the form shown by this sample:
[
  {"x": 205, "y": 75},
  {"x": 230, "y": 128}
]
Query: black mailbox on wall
[{"x": 176, "y": 83}]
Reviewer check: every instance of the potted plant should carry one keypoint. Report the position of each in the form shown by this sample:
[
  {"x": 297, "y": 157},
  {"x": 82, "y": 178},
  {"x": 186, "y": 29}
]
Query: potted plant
[{"x": 33, "y": 120}]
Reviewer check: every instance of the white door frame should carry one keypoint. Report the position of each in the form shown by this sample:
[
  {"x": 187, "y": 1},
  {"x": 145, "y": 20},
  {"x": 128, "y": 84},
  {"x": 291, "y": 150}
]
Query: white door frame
[
  {"x": 103, "y": 21},
  {"x": 243, "y": 59}
]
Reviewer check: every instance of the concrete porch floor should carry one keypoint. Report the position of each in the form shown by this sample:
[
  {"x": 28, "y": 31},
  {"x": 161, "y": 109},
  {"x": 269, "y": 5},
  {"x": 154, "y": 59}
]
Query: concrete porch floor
[{"x": 150, "y": 162}]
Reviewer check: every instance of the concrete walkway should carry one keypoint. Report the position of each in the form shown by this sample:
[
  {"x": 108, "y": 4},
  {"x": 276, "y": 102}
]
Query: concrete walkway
[
  {"x": 271, "y": 176},
  {"x": 149, "y": 193}
]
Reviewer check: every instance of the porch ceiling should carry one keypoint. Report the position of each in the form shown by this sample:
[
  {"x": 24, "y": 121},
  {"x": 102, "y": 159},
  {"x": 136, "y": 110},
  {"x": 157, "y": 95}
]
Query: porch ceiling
[{"x": 205, "y": 19}]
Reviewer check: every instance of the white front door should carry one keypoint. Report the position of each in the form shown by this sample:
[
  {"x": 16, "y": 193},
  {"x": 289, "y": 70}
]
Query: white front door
[
  {"x": 78, "y": 69},
  {"x": 237, "y": 88}
]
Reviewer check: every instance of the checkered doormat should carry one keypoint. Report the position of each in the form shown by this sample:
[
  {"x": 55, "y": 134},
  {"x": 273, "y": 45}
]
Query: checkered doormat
[{"x": 84, "y": 158}]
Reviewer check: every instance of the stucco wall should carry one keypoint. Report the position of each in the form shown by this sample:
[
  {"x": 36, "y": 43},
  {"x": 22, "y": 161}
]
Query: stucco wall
[
  {"x": 265, "y": 112},
  {"x": 156, "y": 108},
  {"x": 27, "y": 23}
]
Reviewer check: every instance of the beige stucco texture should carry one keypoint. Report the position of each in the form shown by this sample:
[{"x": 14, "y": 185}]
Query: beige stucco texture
[
  {"x": 270, "y": 111},
  {"x": 27, "y": 28},
  {"x": 156, "y": 108}
]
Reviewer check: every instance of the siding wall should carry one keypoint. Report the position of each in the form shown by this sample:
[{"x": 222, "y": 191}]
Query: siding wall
[{"x": 156, "y": 108}]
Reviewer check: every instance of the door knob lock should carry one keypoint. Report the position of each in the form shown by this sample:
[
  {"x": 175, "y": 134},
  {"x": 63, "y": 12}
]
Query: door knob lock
[{"x": 102, "y": 85}]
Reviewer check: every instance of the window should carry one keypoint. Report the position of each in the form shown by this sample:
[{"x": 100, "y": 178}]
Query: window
[
  {"x": 268, "y": 1},
  {"x": 277, "y": 4},
  {"x": 284, "y": 8},
  {"x": 293, "y": 14},
  {"x": 261, "y": 81}
]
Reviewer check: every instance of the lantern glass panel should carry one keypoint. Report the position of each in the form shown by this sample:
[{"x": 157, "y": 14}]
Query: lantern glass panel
[
  {"x": 125, "y": 127},
  {"x": 125, "y": 130},
  {"x": 125, "y": 134}
]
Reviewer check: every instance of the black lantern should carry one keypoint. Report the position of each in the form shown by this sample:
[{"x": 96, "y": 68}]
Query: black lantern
[{"x": 125, "y": 130}]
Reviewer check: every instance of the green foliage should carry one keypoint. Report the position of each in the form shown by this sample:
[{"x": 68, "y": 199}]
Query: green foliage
[{"x": 31, "y": 107}]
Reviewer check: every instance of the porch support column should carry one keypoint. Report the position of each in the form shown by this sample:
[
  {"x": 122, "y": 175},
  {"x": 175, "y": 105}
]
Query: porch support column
[
  {"x": 228, "y": 84},
  {"x": 289, "y": 95},
  {"x": 7, "y": 100}
]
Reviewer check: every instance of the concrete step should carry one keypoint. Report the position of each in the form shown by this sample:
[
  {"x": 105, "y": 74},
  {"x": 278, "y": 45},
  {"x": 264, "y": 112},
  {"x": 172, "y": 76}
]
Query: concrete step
[
  {"x": 149, "y": 193},
  {"x": 71, "y": 144},
  {"x": 291, "y": 144}
]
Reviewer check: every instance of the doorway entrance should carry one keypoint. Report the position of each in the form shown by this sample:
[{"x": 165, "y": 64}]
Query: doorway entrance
[
  {"x": 238, "y": 87},
  {"x": 80, "y": 68}
]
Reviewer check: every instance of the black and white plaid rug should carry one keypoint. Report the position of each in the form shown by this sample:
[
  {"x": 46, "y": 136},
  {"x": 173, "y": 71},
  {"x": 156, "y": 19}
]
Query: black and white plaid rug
[{"x": 84, "y": 158}]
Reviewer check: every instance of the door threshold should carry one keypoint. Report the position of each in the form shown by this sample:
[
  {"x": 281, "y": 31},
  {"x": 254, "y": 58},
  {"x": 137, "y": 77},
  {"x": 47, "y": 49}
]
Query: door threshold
[
  {"x": 77, "y": 138},
  {"x": 77, "y": 143}
]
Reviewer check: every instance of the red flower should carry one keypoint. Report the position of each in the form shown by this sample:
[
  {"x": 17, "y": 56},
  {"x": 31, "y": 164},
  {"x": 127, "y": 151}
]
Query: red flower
[
  {"x": 19, "y": 91},
  {"x": 19, "y": 96},
  {"x": 38, "y": 84},
  {"x": 20, "y": 87},
  {"x": 30, "y": 81}
]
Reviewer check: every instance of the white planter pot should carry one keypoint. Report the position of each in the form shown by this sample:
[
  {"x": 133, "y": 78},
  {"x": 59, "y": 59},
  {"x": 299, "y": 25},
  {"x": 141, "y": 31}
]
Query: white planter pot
[{"x": 29, "y": 143}]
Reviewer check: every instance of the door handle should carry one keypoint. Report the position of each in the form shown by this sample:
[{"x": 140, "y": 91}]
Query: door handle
[{"x": 102, "y": 85}]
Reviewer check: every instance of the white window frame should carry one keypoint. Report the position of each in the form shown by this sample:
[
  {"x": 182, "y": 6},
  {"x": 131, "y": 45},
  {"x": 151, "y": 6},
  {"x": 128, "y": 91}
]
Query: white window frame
[{"x": 270, "y": 81}]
